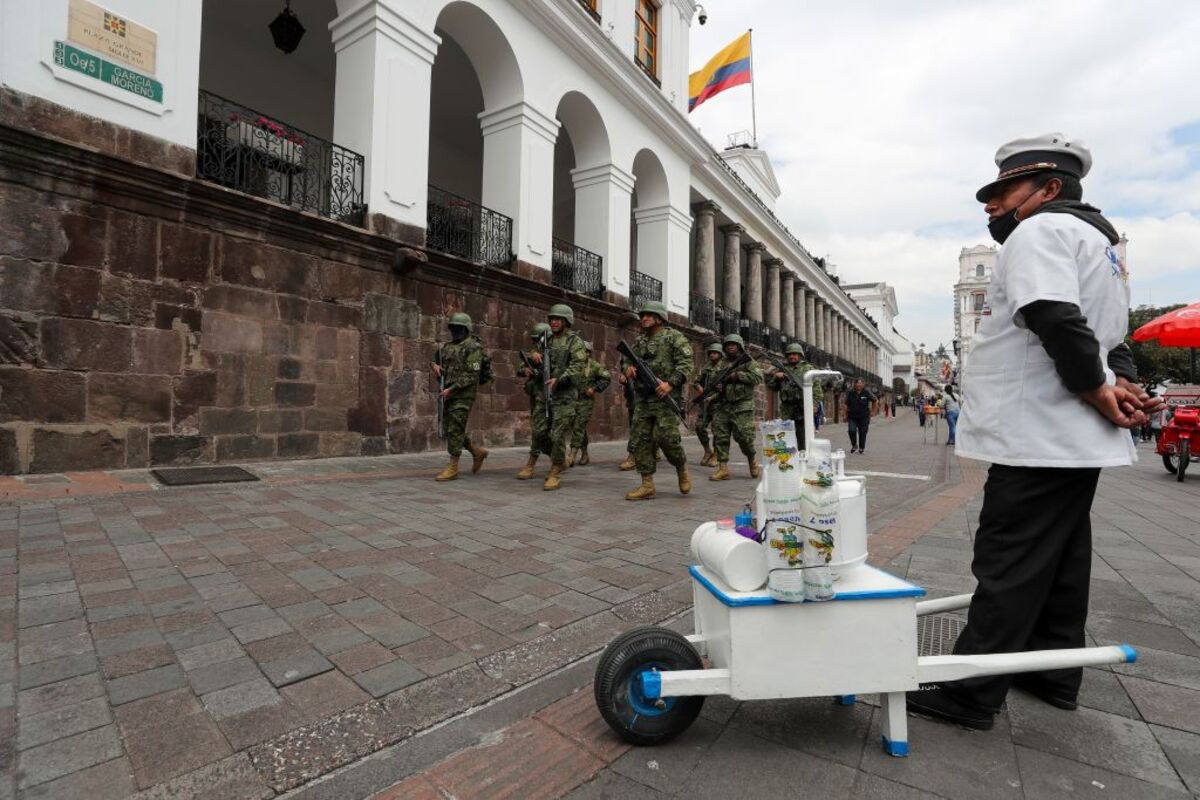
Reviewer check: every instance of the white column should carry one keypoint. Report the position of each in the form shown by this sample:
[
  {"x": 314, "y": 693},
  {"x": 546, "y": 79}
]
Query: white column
[
  {"x": 663, "y": 239},
  {"x": 810, "y": 318},
  {"x": 602, "y": 208},
  {"x": 787, "y": 300},
  {"x": 381, "y": 106},
  {"x": 518, "y": 175},
  {"x": 801, "y": 313}
]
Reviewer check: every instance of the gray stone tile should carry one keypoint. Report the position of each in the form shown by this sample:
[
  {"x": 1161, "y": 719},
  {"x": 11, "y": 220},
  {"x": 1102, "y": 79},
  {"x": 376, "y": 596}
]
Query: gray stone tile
[
  {"x": 246, "y": 614},
  {"x": 296, "y": 667},
  {"x": 336, "y": 641},
  {"x": 262, "y": 629},
  {"x": 306, "y": 610},
  {"x": 814, "y": 725},
  {"x": 1093, "y": 737},
  {"x": 58, "y": 669},
  {"x": 668, "y": 767},
  {"x": 211, "y": 653},
  {"x": 211, "y": 677},
  {"x": 612, "y": 786},
  {"x": 1048, "y": 777},
  {"x": 1183, "y": 751},
  {"x": 38, "y": 729},
  {"x": 144, "y": 684},
  {"x": 739, "y": 759},
  {"x": 112, "y": 780},
  {"x": 388, "y": 678},
  {"x": 60, "y": 694},
  {"x": 872, "y": 787},
  {"x": 1117, "y": 630},
  {"x": 240, "y": 698},
  {"x": 1163, "y": 704},
  {"x": 193, "y": 637},
  {"x": 64, "y": 756}
]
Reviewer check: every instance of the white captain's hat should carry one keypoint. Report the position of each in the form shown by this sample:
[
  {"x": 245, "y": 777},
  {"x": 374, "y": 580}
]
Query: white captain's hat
[{"x": 1050, "y": 152}]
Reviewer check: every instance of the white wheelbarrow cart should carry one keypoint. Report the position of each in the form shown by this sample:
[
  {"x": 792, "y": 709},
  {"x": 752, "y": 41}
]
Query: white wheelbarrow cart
[{"x": 651, "y": 682}]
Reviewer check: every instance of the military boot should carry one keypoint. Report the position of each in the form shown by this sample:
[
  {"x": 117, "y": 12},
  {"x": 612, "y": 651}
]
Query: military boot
[
  {"x": 643, "y": 492},
  {"x": 722, "y": 473},
  {"x": 755, "y": 469},
  {"x": 478, "y": 454},
  {"x": 552, "y": 479},
  {"x": 450, "y": 472},
  {"x": 709, "y": 459},
  {"x": 527, "y": 471},
  {"x": 685, "y": 480},
  {"x": 629, "y": 463},
  {"x": 584, "y": 458},
  {"x": 571, "y": 458}
]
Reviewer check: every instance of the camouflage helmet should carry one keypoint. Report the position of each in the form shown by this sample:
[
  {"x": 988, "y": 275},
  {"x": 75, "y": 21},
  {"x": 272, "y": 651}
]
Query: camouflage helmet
[
  {"x": 654, "y": 307},
  {"x": 460, "y": 319},
  {"x": 736, "y": 339},
  {"x": 794, "y": 347},
  {"x": 538, "y": 329},
  {"x": 715, "y": 347},
  {"x": 563, "y": 311}
]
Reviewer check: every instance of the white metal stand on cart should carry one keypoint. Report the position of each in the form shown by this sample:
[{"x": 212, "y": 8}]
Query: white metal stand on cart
[{"x": 651, "y": 682}]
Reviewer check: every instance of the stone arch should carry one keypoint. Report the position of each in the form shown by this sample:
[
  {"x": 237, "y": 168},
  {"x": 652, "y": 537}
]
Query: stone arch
[
  {"x": 488, "y": 49},
  {"x": 650, "y": 181}
]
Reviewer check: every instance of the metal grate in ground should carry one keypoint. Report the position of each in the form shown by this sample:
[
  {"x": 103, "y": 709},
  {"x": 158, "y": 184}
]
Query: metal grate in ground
[
  {"x": 193, "y": 476},
  {"x": 936, "y": 634}
]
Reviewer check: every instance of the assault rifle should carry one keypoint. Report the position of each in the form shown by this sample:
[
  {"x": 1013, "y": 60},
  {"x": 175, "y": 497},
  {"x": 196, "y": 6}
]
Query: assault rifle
[
  {"x": 547, "y": 374},
  {"x": 784, "y": 368},
  {"x": 649, "y": 380},
  {"x": 717, "y": 385},
  {"x": 441, "y": 401}
]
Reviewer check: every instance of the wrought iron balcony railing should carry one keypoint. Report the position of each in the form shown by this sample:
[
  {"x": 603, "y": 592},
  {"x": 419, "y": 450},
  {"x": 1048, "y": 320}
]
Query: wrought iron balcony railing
[
  {"x": 642, "y": 287},
  {"x": 728, "y": 321},
  {"x": 576, "y": 269},
  {"x": 754, "y": 332},
  {"x": 702, "y": 311},
  {"x": 774, "y": 339},
  {"x": 457, "y": 226},
  {"x": 244, "y": 150}
]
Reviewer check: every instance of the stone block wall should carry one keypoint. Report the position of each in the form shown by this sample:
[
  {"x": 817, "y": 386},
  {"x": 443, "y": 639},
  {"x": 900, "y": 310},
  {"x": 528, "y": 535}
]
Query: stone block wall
[{"x": 148, "y": 318}]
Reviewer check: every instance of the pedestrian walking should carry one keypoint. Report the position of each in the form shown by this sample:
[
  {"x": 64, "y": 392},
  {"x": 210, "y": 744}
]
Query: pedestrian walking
[
  {"x": 458, "y": 367},
  {"x": 704, "y": 418},
  {"x": 595, "y": 380},
  {"x": 1059, "y": 304},
  {"x": 668, "y": 354},
  {"x": 733, "y": 409},
  {"x": 791, "y": 398},
  {"x": 951, "y": 408},
  {"x": 919, "y": 405},
  {"x": 529, "y": 367},
  {"x": 859, "y": 402}
]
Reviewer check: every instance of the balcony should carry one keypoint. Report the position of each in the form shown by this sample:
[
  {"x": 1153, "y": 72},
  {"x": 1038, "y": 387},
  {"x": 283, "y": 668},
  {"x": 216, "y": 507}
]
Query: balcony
[
  {"x": 775, "y": 340},
  {"x": 457, "y": 226},
  {"x": 642, "y": 288},
  {"x": 243, "y": 150},
  {"x": 728, "y": 321},
  {"x": 576, "y": 269},
  {"x": 702, "y": 312}
]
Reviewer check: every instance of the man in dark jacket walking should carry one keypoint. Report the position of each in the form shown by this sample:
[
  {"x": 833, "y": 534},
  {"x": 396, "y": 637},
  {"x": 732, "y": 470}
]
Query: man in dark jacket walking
[{"x": 859, "y": 402}]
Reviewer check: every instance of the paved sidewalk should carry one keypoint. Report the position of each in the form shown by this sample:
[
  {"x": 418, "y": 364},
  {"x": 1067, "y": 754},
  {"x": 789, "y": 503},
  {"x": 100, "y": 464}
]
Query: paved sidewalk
[
  {"x": 1136, "y": 735},
  {"x": 242, "y": 640}
]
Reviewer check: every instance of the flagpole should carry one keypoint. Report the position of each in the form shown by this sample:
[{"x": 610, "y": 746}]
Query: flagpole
[{"x": 753, "y": 104}]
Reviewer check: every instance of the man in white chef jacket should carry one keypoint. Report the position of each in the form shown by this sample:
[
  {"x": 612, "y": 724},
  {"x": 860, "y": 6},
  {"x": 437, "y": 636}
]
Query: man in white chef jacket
[{"x": 1047, "y": 395}]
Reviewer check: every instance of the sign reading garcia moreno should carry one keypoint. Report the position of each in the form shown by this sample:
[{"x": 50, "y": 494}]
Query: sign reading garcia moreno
[{"x": 73, "y": 58}]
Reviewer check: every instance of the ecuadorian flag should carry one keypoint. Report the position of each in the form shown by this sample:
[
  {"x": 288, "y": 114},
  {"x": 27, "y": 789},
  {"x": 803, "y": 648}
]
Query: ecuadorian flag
[{"x": 728, "y": 68}]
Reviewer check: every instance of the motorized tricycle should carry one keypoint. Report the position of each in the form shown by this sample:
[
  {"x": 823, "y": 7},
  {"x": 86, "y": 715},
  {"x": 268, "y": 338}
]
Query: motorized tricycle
[{"x": 1180, "y": 437}]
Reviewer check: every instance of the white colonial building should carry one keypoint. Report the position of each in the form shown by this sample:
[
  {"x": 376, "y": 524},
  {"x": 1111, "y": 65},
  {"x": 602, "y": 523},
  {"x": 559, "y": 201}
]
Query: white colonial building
[
  {"x": 544, "y": 134},
  {"x": 975, "y": 266},
  {"x": 896, "y": 356}
]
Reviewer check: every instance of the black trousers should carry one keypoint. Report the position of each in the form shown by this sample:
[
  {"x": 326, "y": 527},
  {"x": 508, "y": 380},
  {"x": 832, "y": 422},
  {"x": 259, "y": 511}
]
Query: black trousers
[
  {"x": 858, "y": 431},
  {"x": 1033, "y": 561}
]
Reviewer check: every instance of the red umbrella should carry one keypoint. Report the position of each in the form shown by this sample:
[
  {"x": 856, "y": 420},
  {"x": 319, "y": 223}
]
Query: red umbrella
[{"x": 1179, "y": 328}]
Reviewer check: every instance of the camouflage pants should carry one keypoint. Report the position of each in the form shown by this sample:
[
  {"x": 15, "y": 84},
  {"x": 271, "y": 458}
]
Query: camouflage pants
[
  {"x": 795, "y": 412},
  {"x": 655, "y": 427},
  {"x": 703, "y": 427},
  {"x": 454, "y": 424},
  {"x": 629, "y": 407},
  {"x": 539, "y": 427},
  {"x": 584, "y": 407},
  {"x": 552, "y": 437},
  {"x": 740, "y": 424}
]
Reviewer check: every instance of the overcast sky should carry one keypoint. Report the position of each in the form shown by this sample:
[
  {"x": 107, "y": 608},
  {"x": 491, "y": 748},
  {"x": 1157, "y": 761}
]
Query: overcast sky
[{"x": 882, "y": 119}]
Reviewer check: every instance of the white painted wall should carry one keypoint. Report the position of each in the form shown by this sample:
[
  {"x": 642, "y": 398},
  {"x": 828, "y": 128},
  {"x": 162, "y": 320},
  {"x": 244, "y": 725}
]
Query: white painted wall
[{"x": 29, "y": 29}]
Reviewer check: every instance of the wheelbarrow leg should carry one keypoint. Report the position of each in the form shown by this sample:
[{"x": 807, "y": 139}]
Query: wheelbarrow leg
[{"x": 893, "y": 724}]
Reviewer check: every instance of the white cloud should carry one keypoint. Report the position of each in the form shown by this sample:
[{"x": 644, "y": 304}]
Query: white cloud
[{"x": 882, "y": 118}]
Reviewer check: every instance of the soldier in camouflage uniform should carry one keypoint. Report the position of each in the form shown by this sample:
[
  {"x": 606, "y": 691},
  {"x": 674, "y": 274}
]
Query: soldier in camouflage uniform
[
  {"x": 791, "y": 399},
  {"x": 595, "y": 380},
  {"x": 539, "y": 426},
  {"x": 733, "y": 410},
  {"x": 564, "y": 375},
  {"x": 704, "y": 420},
  {"x": 456, "y": 367},
  {"x": 669, "y": 355}
]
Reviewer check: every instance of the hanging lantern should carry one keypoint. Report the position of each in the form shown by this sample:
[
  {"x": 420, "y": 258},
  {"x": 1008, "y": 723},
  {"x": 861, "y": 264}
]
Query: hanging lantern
[{"x": 286, "y": 29}]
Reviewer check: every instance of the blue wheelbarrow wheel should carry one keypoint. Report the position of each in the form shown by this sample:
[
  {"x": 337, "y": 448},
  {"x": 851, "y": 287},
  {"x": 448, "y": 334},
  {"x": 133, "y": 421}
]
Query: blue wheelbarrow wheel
[{"x": 623, "y": 703}]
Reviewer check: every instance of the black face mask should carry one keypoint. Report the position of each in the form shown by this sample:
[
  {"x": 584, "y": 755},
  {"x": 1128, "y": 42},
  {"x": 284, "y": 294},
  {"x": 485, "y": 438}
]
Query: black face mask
[
  {"x": 1002, "y": 227},
  {"x": 458, "y": 333}
]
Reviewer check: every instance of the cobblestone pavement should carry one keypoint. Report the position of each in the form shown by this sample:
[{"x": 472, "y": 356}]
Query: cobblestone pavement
[
  {"x": 1136, "y": 734},
  {"x": 241, "y": 640}
]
